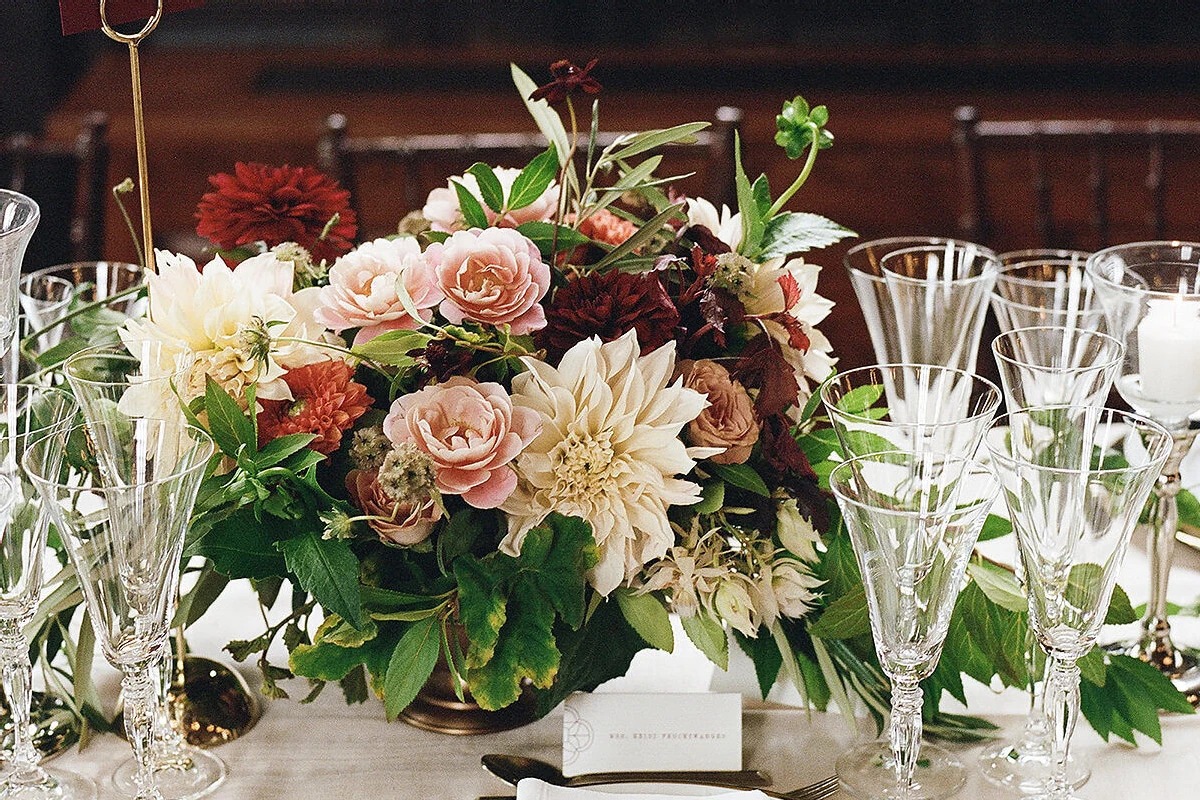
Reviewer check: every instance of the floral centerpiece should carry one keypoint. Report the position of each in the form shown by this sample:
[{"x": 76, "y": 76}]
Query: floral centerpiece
[{"x": 563, "y": 403}]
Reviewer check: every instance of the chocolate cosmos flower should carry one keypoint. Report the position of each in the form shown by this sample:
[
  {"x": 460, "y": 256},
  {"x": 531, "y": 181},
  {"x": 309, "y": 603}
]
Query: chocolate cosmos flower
[
  {"x": 568, "y": 79},
  {"x": 608, "y": 305}
]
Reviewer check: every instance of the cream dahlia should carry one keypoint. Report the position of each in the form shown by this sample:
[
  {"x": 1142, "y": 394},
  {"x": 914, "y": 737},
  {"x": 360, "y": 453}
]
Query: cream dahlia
[{"x": 609, "y": 451}]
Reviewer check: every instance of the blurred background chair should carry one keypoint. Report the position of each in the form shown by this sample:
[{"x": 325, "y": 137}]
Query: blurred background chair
[
  {"x": 69, "y": 182},
  {"x": 424, "y": 162},
  {"x": 1074, "y": 183}
]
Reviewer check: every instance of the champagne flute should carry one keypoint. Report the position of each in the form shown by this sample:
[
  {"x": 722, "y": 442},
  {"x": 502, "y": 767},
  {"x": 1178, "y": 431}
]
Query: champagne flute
[
  {"x": 123, "y": 524},
  {"x": 26, "y": 414},
  {"x": 113, "y": 383},
  {"x": 913, "y": 520},
  {"x": 1075, "y": 480}
]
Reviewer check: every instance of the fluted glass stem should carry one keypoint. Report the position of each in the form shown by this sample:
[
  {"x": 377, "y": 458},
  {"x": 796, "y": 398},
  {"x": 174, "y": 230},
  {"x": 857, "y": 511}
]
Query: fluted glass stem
[
  {"x": 1037, "y": 731},
  {"x": 169, "y": 752},
  {"x": 1062, "y": 711},
  {"x": 905, "y": 730},
  {"x": 140, "y": 694},
  {"x": 1156, "y": 644},
  {"x": 17, "y": 677}
]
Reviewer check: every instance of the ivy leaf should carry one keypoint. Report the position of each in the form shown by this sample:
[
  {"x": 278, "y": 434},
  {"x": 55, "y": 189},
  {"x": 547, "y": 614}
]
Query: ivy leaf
[
  {"x": 709, "y": 636},
  {"x": 534, "y": 179},
  {"x": 845, "y": 618},
  {"x": 227, "y": 422},
  {"x": 799, "y": 231},
  {"x": 468, "y": 204},
  {"x": 742, "y": 476},
  {"x": 481, "y": 609},
  {"x": 647, "y": 615},
  {"x": 328, "y": 570},
  {"x": 489, "y": 185},
  {"x": 411, "y": 664}
]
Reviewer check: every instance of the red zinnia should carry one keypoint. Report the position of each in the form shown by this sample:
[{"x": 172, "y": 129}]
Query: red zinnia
[
  {"x": 607, "y": 305},
  {"x": 325, "y": 402},
  {"x": 261, "y": 203}
]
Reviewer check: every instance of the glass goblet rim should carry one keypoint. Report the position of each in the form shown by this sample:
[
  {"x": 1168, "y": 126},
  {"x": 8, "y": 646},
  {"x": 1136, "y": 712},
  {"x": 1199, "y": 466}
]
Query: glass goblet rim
[
  {"x": 976, "y": 466},
  {"x": 1034, "y": 254},
  {"x": 988, "y": 271},
  {"x": 1086, "y": 333},
  {"x": 901, "y": 243},
  {"x": 1162, "y": 436},
  {"x": 1097, "y": 260},
  {"x": 990, "y": 398},
  {"x": 8, "y": 196},
  {"x": 1007, "y": 273}
]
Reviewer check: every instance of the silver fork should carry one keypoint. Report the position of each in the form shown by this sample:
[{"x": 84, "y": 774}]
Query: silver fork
[{"x": 818, "y": 790}]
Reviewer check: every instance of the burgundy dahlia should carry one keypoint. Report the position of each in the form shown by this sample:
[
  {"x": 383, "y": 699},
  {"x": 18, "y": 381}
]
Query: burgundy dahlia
[
  {"x": 261, "y": 203},
  {"x": 608, "y": 305},
  {"x": 566, "y": 80}
]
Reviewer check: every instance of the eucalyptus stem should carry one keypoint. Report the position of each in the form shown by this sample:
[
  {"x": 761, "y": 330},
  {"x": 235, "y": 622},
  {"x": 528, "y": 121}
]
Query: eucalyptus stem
[{"x": 802, "y": 177}]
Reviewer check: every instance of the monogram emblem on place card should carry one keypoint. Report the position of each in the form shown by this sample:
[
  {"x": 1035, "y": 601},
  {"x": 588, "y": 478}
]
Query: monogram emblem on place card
[{"x": 578, "y": 735}]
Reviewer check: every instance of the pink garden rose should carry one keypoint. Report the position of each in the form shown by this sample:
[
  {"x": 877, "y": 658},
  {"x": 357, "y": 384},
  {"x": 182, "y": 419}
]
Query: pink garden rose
[
  {"x": 728, "y": 420},
  {"x": 471, "y": 431},
  {"x": 442, "y": 210},
  {"x": 396, "y": 522},
  {"x": 495, "y": 276},
  {"x": 362, "y": 288}
]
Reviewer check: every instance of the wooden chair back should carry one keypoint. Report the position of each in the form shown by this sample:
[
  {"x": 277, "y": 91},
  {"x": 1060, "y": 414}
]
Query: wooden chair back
[
  {"x": 365, "y": 163},
  {"x": 69, "y": 182},
  {"x": 1081, "y": 184}
]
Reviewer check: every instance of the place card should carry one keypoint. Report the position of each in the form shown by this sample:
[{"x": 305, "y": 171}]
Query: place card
[
  {"x": 621, "y": 732},
  {"x": 84, "y": 15}
]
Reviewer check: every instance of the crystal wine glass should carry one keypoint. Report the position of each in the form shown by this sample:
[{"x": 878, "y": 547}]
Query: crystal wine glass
[
  {"x": 1039, "y": 366},
  {"x": 110, "y": 383},
  {"x": 1151, "y": 293},
  {"x": 1075, "y": 480},
  {"x": 940, "y": 297},
  {"x": 909, "y": 407},
  {"x": 913, "y": 519},
  {"x": 26, "y": 414},
  {"x": 19, "y": 217},
  {"x": 1046, "y": 291},
  {"x": 864, "y": 264},
  {"x": 123, "y": 524}
]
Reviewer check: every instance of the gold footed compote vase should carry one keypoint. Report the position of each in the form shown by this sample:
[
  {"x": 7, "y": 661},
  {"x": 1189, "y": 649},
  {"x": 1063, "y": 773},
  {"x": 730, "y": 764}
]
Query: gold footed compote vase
[
  {"x": 913, "y": 519},
  {"x": 114, "y": 384},
  {"x": 121, "y": 497},
  {"x": 1075, "y": 480},
  {"x": 1151, "y": 294}
]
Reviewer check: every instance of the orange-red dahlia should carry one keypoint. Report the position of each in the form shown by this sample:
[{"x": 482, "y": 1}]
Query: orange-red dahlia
[
  {"x": 261, "y": 203},
  {"x": 325, "y": 401}
]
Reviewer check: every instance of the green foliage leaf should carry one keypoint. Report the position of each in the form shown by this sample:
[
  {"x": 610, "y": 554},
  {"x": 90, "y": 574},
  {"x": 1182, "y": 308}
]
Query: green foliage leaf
[
  {"x": 546, "y": 118},
  {"x": 647, "y": 615},
  {"x": 797, "y": 126},
  {"x": 279, "y": 449},
  {"x": 1120, "y": 609},
  {"x": 542, "y": 235},
  {"x": 227, "y": 422},
  {"x": 481, "y": 609},
  {"x": 411, "y": 664},
  {"x": 1092, "y": 667},
  {"x": 526, "y": 650},
  {"x": 648, "y": 140},
  {"x": 752, "y": 217},
  {"x": 643, "y": 235},
  {"x": 844, "y": 618},
  {"x": 472, "y": 212},
  {"x": 1000, "y": 585},
  {"x": 994, "y": 527},
  {"x": 859, "y": 399},
  {"x": 240, "y": 546},
  {"x": 489, "y": 185},
  {"x": 797, "y": 232},
  {"x": 324, "y": 661},
  {"x": 765, "y": 653},
  {"x": 534, "y": 179},
  {"x": 742, "y": 476},
  {"x": 327, "y": 569},
  {"x": 713, "y": 494},
  {"x": 392, "y": 348},
  {"x": 709, "y": 636},
  {"x": 556, "y": 557}
]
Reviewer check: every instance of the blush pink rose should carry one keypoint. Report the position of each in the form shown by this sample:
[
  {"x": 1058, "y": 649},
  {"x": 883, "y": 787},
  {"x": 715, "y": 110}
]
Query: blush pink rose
[
  {"x": 362, "y": 291},
  {"x": 442, "y": 210},
  {"x": 494, "y": 276},
  {"x": 395, "y": 522},
  {"x": 471, "y": 431}
]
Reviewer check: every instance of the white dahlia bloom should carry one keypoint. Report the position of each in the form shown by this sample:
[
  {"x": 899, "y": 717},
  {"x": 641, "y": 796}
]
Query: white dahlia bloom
[
  {"x": 608, "y": 452},
  {"x": 722, "y": 224},
  {"x": 241, "y": 324}
]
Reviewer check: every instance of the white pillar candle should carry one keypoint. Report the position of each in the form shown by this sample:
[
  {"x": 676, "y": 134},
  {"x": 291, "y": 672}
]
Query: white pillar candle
[{"x": 1169, "y": 351}]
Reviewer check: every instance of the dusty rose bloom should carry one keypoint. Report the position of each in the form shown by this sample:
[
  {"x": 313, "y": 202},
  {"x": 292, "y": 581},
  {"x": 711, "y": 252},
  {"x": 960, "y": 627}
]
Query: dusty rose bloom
[
  {"x": 495, "y": 276},
  {"x": 395, "y": 522},
  {"x": 471, "y": 431},
  {"x": 729, "y": 420}
]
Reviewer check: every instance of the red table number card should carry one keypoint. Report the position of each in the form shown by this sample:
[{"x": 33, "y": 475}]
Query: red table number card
[{"x": 84, "y": 15}]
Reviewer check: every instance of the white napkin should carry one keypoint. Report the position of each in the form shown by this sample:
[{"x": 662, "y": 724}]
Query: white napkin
[{"x": 534, "y": 789}]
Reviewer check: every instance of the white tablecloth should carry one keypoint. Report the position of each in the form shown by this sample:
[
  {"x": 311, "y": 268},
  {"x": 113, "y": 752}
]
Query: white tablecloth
[{"x": 327, "y": 750}]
